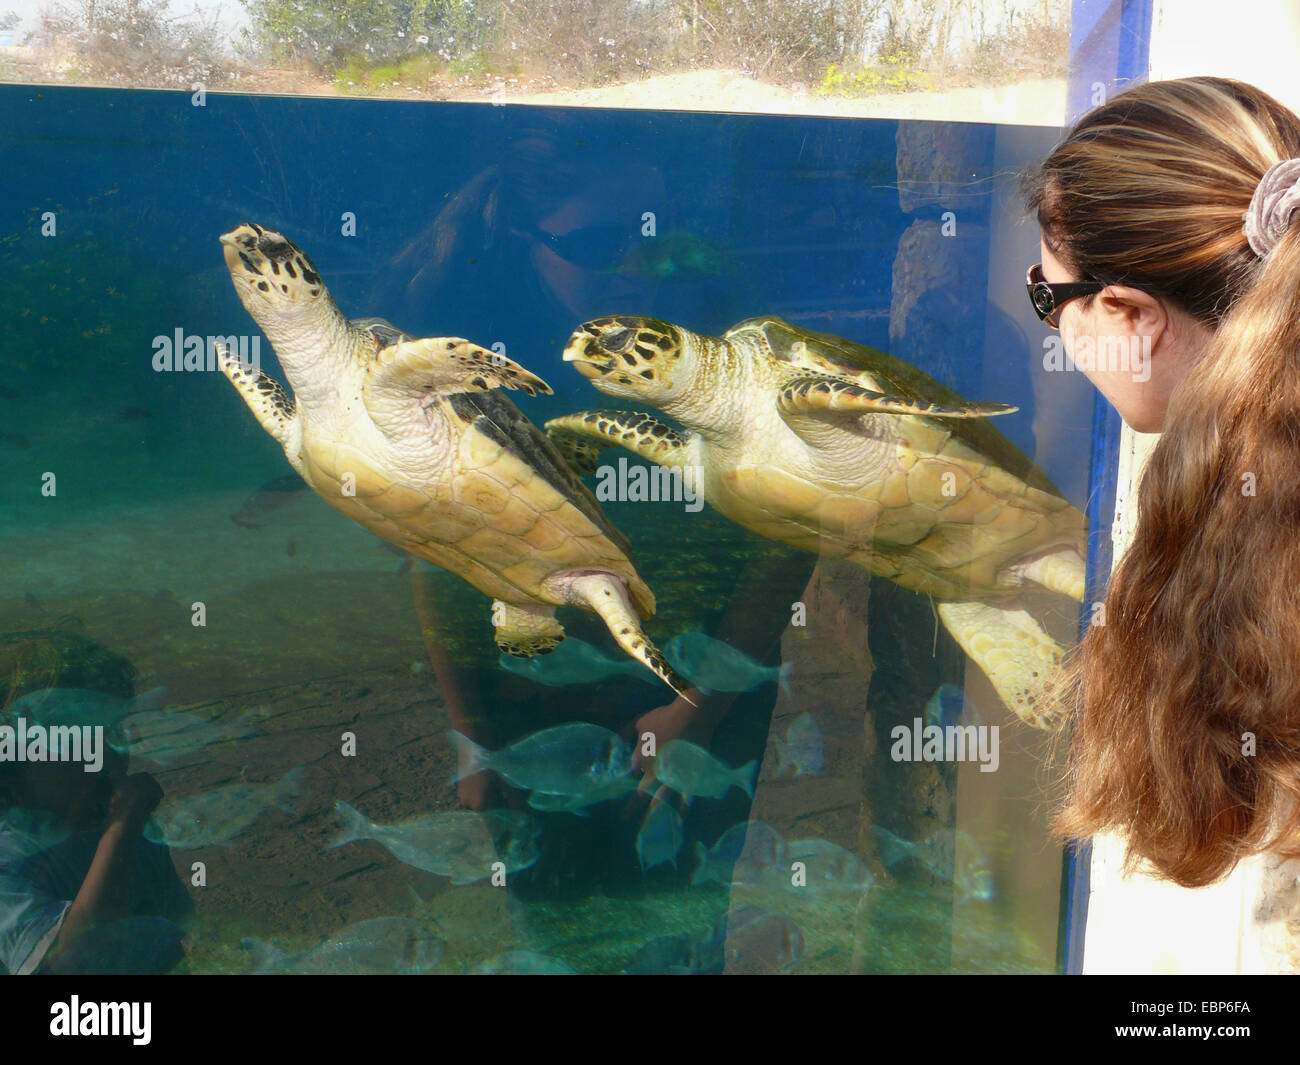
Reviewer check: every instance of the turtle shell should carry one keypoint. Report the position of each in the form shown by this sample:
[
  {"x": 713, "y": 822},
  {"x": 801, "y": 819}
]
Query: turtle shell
[
  {"x": 509, "y": 514},
  {"x": 894, "y": 377}
]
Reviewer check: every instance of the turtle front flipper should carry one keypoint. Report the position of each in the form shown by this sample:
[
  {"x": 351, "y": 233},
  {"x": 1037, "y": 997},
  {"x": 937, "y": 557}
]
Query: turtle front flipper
[
  {"x": 445, "y": 364},
  {"x": 581, "y": 437},
  {"x": 607, "y": 596},
  {"x": 1012, "y": 650},
  {"x": 526, "y": 631},
  {"x": 822, "y": 394},
  {"x": 270, "y": 403}
]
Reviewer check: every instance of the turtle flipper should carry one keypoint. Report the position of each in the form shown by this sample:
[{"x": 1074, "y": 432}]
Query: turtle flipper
[
  {"x": 819, "y": 394},
  {"x": 270, "y": 403},
  {"x": 581, "y": 437},
  {"x": 1062, "y": 571},
  {"x": 526, "y": 631},
  {"x": 446, "y": 364},
  {"x": 1012, "y": 650},
  {"x": 607, "y": 596}
]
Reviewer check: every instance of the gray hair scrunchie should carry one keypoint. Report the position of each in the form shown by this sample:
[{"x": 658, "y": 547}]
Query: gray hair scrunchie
[{"x": 1276, "y": 199}]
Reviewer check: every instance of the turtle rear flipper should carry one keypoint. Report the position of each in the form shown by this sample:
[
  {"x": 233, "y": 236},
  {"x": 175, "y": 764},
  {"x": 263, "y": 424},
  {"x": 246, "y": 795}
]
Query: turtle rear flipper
[
  {"x": 1012, "y": 649},
  {"x": 824, "y": 394},
  {"x": 608, "y": 597},
  {"x": 581, "y": 437},
  {"x": 526, "y": 631}
]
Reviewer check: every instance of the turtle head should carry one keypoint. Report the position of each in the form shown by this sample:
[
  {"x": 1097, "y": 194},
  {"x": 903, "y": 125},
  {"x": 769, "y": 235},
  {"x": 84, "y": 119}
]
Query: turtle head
[
  {"x": 272, "y": 275},
  {"x": 635, "y": 358}
]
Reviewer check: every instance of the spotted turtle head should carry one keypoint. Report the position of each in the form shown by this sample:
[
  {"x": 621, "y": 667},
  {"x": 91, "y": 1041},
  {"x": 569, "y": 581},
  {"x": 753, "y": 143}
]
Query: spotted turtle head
[
  {"x": 634, "y": 358},
  {"x": 270, "y": 272}
]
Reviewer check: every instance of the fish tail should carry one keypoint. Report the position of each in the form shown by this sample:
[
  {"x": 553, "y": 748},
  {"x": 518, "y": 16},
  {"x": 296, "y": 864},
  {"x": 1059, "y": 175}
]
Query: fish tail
[
  {"x": 355, "y": 826},
  {"x": 264, "y": 957},
  {"x": 747, "y": 776},
  {"x": 153, "y": 699},
  {"x": 892, "y": 849},
  {"x": 292, "y": 787},
  {"x": 476, "y": 758},
  {"x": 783, "y": 678},
  {"x": 781, "y": 764}
]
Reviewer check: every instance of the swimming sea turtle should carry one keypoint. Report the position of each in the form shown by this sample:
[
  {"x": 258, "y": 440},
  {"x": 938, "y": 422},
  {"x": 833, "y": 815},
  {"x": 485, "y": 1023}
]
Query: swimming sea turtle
[
  {"x": 843, "y": 450},
  {"x": 410, "y": 439}
]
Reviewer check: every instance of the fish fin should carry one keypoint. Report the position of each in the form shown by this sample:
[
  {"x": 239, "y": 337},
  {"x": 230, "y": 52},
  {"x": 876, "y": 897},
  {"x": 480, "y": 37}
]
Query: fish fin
[
  {"x": 892, "y": 849},
  {"x": 479, "y": 757},
  {"x": 153, "y": 699},
  {"x": 747, "y": 777},
  {"x": 263, "y": 956},
  {"x": 291, "y": 788},
  {"x": 355, "y": 825},
  {"x": 701, "y": 864},
  {"x": 783, "y": 678},
  {"x": 781, "y": 764}
]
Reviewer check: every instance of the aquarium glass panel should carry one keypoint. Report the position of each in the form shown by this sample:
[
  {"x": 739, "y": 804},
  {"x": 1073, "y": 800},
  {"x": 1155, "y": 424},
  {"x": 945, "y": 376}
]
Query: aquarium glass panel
[{"x": 473, "y": 539}]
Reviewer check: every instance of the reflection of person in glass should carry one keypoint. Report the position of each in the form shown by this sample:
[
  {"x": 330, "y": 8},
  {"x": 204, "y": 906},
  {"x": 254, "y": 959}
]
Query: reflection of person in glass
[
  {"x": 1170, "y": 224},
  {"x": 564, "y": 214},
  {"x": 80, "y": 890}
]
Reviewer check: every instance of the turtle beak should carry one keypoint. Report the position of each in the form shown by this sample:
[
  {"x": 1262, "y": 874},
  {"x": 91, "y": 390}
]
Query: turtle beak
[{"x": 586, "y": 355}]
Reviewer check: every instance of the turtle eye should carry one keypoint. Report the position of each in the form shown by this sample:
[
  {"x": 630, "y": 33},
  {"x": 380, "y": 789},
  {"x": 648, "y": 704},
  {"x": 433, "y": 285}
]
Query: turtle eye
[
  {"x": 617, "y": 341},
  {"x": 274, "y": 247}
]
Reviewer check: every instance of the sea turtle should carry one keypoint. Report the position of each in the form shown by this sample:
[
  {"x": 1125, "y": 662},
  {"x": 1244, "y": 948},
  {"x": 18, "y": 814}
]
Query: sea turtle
[
  {"x": 410, "y": 438},
  {"x": 843, "y": 450}
]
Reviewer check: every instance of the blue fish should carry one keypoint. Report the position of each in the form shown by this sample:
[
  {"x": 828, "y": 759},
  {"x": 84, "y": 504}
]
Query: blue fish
[
  {"x": 714, "y": 666},
  {"x": 576, "y": 759},
  {"x": 690, "y": 770},
  {"x": 577, "y": 804},
  {"x": 76, "y": 707},
  {"x": 575, "y": 662},
  {"x": 214, "y": 817},
  {"x": 952, "y": 855},
  {"x": 524, "y": 963},
  {"x": 164, "y": 736},
  {"x": 661, "y": 837},
  {"x": 459, "y": 844},
  {"x": 385, "y": 945},
  {"x": 801, "y": 750},
  {"x": 751, "y": 853},
  {"x": 829, "y": 868}
]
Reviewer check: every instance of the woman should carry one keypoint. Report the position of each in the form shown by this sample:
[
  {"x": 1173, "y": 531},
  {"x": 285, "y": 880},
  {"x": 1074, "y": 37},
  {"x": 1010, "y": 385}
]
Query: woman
[{"x": 1170, "y": 208}]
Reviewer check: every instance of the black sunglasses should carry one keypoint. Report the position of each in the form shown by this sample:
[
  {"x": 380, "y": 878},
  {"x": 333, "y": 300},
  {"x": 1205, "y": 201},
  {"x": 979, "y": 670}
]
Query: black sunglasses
[{"x": 1048, "y": 299}]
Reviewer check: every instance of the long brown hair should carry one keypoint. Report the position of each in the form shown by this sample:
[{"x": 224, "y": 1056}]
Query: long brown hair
[{"x": 1185, "y": 703}]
